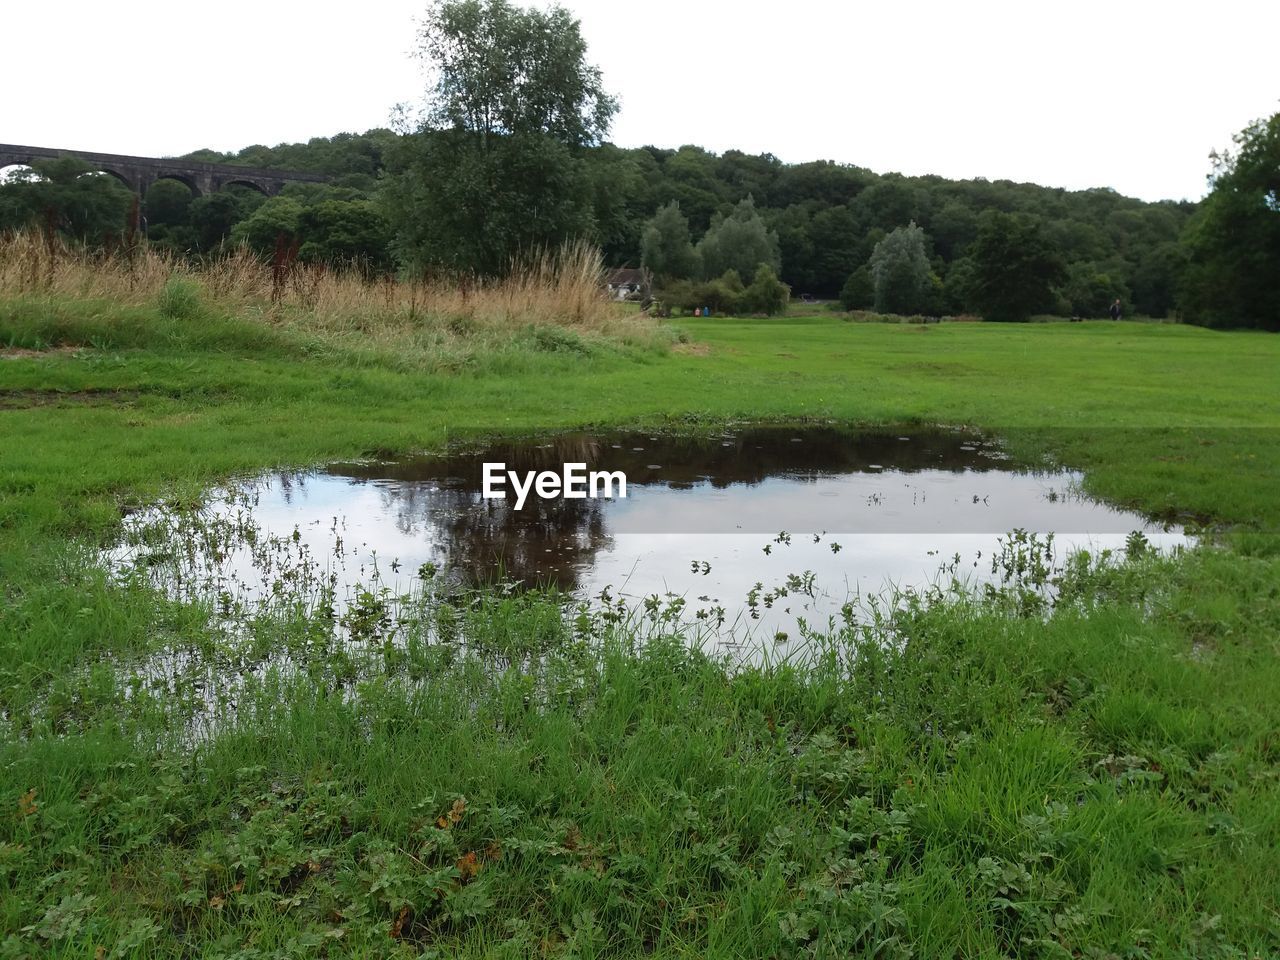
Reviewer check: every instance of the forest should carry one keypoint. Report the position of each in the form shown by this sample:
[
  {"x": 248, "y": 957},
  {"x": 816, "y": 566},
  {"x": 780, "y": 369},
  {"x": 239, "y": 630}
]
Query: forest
[{"x": 464, "y": 193}]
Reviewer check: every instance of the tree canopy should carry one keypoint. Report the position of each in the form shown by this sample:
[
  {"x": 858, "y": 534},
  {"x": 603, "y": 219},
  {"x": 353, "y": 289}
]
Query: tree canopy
[
  {"x": 740, "y": 241},
  {"x": 1014, "y": 268},
  {"x": 900, "y": 275},
  {"x": 66, "y": 195},
  {"x": 495, "y": 168},
  {"x": 501, "y": 69},
  {"x": 1233, "y": 241},
  {"x": 665, "y": 248}
]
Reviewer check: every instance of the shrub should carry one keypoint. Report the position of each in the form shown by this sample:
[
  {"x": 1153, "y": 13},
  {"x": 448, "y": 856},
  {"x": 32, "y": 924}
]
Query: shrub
[{"x": 722, "y": 295}]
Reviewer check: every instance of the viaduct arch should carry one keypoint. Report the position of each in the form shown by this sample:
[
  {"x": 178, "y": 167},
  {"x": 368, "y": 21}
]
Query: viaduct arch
[{"x": 139, "y": 173}]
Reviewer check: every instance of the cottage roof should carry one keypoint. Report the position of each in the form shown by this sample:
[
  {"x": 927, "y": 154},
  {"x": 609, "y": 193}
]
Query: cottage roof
[{"x": 624, "y": 276}]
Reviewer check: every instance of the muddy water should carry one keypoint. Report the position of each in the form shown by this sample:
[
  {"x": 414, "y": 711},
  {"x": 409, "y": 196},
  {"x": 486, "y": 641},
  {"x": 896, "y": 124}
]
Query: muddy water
[{"x": 758, "y": 527}]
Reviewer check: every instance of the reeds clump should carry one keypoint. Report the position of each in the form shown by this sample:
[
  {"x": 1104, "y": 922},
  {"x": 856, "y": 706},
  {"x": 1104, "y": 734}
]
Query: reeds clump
[{"x": 549, "y": 297}]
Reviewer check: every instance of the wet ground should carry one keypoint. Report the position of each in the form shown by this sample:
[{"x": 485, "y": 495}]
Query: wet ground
[{"x": 755, "y": 528}]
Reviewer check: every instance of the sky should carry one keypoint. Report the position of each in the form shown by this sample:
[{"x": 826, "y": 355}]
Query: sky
[{"x": 1127, "y": 94}]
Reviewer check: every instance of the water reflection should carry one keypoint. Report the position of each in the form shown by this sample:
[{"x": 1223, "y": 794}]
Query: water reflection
[
  {"x": 801, "y": 519},
  {"x": 901, "y": 495}
]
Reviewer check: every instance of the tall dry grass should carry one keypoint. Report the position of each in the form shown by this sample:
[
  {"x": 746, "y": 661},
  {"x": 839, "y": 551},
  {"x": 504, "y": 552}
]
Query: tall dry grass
[{"x": 563, "y": 289}]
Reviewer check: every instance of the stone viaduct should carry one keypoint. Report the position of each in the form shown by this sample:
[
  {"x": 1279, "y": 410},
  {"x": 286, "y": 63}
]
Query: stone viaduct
[{"x": 139, "y": 173}]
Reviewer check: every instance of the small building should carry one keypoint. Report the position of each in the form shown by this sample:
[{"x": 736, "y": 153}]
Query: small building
[{"x": 628, "y": 283}]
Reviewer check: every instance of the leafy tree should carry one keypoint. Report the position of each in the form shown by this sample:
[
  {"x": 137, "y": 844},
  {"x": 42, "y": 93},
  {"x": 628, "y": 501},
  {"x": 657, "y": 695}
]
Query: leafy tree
[
  {"x": 1155, "y": 278},
  {"x": 1091, "y": 288},
  {"x": 496, "y": 167},
  {"x": 213, "y": 216},
  {"x": 837, "y": 249},
  {"x": 68, "y": 195},
  {"x": 953, "y": 227},
  {"x": 1014, "y": 268},
  {"x": 823, "y": 181},
  {"x": 1233, "y": 242},
  {"x": 619, "y": 190},
  {"x": 887, "y": 203},
  {"x": 690, "y": 175},
  {"x": 767, "y": 294},
  {"x": 499, "y": 69},
  {"x": 859, "y": 290},
  {"x": 794, "y": 227},
  {"x": 472, "y": 210},
  {"x": 665, "y": 246},
  {"x": 350, "y": 231},
  {"x": 740, "y": 242},
  {"x": 168, "y": 203},
  {"x": 900, "y": 272},
  {"x": 957, "y": 285},
  {"x": 278, "y": 216}
]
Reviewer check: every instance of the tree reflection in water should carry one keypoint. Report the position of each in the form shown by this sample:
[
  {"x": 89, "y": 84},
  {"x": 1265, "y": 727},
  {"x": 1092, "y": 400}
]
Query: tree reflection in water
[{"x": 551, "y": 542}]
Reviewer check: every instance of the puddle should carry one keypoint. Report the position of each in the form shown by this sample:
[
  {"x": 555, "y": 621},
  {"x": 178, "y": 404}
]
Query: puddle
[{"x": 757, "y": 531}]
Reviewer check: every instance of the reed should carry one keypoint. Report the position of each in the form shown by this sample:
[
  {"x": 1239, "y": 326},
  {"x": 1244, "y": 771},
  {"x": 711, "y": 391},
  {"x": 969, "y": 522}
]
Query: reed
[{"x": 561, "y": 288}]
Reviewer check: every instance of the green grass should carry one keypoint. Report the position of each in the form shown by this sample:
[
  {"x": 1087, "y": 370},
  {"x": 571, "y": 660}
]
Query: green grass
[{"x": 1103, "y": 782}]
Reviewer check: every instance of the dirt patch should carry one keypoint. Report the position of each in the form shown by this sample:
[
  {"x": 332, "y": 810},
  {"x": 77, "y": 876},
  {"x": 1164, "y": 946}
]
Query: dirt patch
[
  {"x": 22, "y": 353},
  {"x": 25, "y": 399},
  {"x": 692, "y": 349}
]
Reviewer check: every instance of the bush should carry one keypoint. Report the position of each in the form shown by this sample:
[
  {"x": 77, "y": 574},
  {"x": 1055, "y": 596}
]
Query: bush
[
  {"x": 727, "y": 295},
  {"x": 722, "y": 295}
]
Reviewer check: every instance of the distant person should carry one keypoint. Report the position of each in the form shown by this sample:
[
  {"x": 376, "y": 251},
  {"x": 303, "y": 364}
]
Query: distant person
[{"x": 1115, "y": 310}]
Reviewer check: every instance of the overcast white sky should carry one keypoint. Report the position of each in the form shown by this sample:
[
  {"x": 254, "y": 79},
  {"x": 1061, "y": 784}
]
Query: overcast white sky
[{"x": 1127, "y": 94}]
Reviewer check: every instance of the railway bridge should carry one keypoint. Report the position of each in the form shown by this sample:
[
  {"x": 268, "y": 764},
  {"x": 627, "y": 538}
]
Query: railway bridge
[{"x": 139, "y": 173}]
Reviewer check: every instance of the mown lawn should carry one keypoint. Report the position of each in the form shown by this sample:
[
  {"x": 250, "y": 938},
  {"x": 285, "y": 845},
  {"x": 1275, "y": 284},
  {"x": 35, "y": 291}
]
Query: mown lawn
[{"x": 1101, "y": 781}]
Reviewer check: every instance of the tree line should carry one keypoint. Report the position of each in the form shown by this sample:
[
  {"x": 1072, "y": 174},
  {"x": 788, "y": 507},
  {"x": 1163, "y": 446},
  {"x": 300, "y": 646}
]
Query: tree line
[{"x": 509, "y": 154}]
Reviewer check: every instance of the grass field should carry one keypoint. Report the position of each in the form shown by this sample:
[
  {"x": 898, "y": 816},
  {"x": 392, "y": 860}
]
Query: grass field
[{"x": 1101, "y": 782}]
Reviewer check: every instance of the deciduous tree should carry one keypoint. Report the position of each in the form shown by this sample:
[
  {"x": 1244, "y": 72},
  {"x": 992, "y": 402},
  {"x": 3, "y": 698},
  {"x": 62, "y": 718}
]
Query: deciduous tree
[
  {"x": 1014, "y": 268},
  {"x": 900, "y": 273},
  {"x": 495, "y": 166},
  {"x": 666, "y": 250},
  {"x": 1233, "y": 241},
  {"x": 740, "y": 242}
]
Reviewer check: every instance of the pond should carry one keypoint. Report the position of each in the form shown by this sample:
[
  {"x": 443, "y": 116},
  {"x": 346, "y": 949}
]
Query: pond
[{"x": 753, "y": 530}]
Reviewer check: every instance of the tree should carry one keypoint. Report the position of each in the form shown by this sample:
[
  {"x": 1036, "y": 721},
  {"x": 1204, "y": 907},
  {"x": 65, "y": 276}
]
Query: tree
[
  {"x": 665, "y": 249},
  {"x": 859, "y": 291},
  {"x": 260, "y": 230},
  {"x": 740, "y": 242},
  {"x": 1233, "y": 242},
  {"x": 835, "y": 237},
  {"x": 767, "y": 294},
  {"x": 213, "y": 216},
  {"x": 1091, "y": 288},
  {"x": 499, "y": 69},
  {"x": 1014, "y": 268},
  {"x": 900, "y": 273},
  {"x": 345, "y": 231},
  {"x": 67, "y": 195},
  {"x": 1155, "y": 279},
  {"x": 496, "y": 166}
]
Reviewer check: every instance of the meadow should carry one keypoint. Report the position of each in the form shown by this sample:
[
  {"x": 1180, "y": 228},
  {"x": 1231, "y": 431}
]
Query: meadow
[{"x": 1100, "y": 778}]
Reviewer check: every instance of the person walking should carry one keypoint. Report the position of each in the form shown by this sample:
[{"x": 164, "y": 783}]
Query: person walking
[{"x": 1115, "y": 309}]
